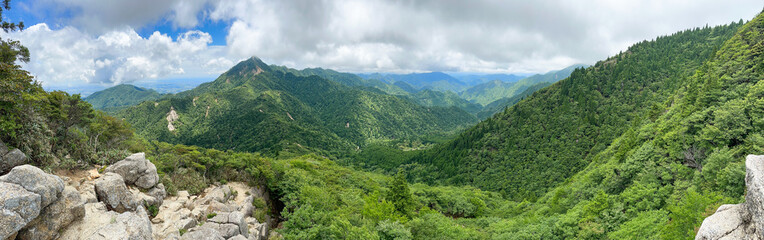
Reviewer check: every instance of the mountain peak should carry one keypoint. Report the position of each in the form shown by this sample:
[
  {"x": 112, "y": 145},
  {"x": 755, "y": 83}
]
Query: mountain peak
[{"x": 253, "y": 64}]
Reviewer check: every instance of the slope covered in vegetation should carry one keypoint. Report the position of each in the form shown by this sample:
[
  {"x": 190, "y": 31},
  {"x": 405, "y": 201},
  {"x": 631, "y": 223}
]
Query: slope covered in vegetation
[
  {"x": 546, "y": 138},
  {"x": 254, "y": 108},
  {"x": 120, "y": 96},
  {"x": 674, "y": 165}
]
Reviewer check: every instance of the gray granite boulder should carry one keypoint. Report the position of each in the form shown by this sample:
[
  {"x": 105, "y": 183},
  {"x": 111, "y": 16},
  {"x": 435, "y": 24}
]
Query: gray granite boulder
[
  {"x": 9, "y": 160},
  {"x": 33, "y": 179},
  {"x": 101, "y": 224},
  {"x": 111, "y": 190},
  {"x": 136, "y": 170},
  {"x": 202, "y": 233},
  {"x": 740, "y": 221},
  {"x": 56, "y": 216},
  {"x": 17, "y": 208}
]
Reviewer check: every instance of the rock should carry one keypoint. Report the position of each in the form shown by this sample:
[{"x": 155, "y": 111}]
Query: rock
[
  {"x": 754, "y": 198},
  {"x": 219, "y": 194},
  {"x": 35, "y": 180},
  {"x": 154, "y": 196},
  {"x": 225, "y": 230},
  {"x": 11, "y": 159},
  {"x": 229, "y": 224},
  {"x": 726, "y": 223},
  {"x": 171, "y": 218},
  {"x": 136, "y": 170},
  {"x": 87, "y": 192},
  {"x": 3, "y": 149},
  {"x": 238, "y": 237},
  {"x": 111, "y": 190},
  {"x": 182, "y": 194},
  {"x": 740, "y": 221},
  {"x": 159, "y": 193},
  {"x": 17, "y": 208},
  {"x": 59, "y": 214},
  {"x": 202, "y": 233},
  {"x": 99, "y": 223}
]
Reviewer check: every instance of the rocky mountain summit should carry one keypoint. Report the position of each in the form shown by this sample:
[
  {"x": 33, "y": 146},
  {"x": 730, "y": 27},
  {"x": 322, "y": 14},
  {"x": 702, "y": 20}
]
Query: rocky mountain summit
[
  {"x": 120, "y": 203},
  {"x": 744, "y": 220}
]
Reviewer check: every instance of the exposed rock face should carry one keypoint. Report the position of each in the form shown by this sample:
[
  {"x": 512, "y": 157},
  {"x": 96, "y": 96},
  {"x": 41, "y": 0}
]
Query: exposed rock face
[
  {"x": 9, "y": 160},
  {"x": 54, "y": 217},
  {"x": 35, "y": 180},
  {"x": 172, "y": 116},
  {"x": 111, "y": 190},
  {"x": 202, "y": 233},
  {"x": 136, "y": 170},
  {"x": 17, "y": 208},
  {"x": 154, "y": 196},
  {"x": 740, "y": 221},
  {"x": 222, "y": 211},
  {"x": 100, "y": 223}
]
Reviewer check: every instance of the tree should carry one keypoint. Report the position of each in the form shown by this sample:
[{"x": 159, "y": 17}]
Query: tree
[
  {"x": 400, "y": 195},
  {"x": 11, "y": 50}
]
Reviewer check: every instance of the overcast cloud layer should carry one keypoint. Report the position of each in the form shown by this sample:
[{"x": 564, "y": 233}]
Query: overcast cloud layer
[{"x": 98, "y": 42}]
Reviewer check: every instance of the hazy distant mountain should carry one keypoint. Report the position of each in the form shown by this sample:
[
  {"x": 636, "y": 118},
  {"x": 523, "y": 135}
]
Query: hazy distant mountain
[
  {"x": 433, "y": 80},
  {"x": 475, "y": 79},
  {"x": 494, "y": 90}
]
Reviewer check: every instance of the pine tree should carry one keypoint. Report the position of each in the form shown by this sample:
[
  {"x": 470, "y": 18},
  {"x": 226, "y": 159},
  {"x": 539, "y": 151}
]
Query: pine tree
[{"x": 400, "y": 195}]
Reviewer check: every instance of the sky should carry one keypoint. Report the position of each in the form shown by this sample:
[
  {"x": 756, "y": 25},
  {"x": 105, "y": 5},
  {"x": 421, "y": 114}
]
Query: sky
[{"x": 99, "y": 43}]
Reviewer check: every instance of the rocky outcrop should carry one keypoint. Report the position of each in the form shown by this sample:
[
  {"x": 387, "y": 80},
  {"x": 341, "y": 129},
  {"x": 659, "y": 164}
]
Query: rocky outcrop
[
  {"x": 223, "y": 212},
  {"x": 35, "y": 180},
  {"x": 744, "y": 220},
  {"x": 136, "y": 170},
  {"x": 88, "y": 205},
  {"x": 54, "y": 217},
  {"x": 10, "y": 158},
  {"x": 35, "y": 205},
  {"x": 112, "y": 191},
  {"x": 17, "y": 208},
  {"x": 100, "y": 223},
  {"x": 201, "y": 233}
]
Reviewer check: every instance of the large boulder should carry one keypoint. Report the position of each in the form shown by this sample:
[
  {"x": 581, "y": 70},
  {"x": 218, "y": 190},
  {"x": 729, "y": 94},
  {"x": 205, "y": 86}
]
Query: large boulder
[
  {"x": 136, "y": 170},
  {"x": 726, "y": 223},
  {"x": 9, "y": 160},
  {"x": 229, "y": 224},
  {"x": 172, "y": 218},
  {"x": 33, "y": 179},
  {"x": 740, "y": 221},
  {"x": 111, "y": 190},
  {"x": 100, "y": 223},
  {"x": 202, "y": 233},
  {"x": 59, "y": 214},
  {"x": 754, "y": 198},
  {"x": 17, "y": 208},
  {"x": 154, "y": 196}
]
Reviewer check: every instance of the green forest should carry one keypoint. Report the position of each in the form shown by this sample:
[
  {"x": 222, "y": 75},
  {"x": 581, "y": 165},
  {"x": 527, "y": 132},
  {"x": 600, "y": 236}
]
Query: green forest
[{"x": 641, "y": 145}]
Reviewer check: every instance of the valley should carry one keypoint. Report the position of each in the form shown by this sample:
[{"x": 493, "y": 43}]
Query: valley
[{"x": 662, "y": 140}]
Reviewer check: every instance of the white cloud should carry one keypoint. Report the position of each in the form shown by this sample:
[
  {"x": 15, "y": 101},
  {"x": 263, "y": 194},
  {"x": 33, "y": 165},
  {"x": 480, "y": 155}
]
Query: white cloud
[
  {"x": 68, "y": 57},
  {"x": 495, "y": 36},
  {"x": 100, "y": 45}
]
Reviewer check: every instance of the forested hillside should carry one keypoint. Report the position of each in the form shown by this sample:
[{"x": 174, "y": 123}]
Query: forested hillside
[
  {"x": 254, "y": 108},
  {"x": 495, "y": 90},
  {"x": 120, "y": 96},
  {"x": 548, "y": 137},
  {"x": 674, "y": 165},
  {"x": 501, "y": 104},
  {"x": 437, "y": 81}
]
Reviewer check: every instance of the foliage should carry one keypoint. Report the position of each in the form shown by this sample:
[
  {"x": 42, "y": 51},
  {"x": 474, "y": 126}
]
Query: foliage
[
  {"x": 557, "y": 131},
  {"x": 120, "y": 96},
  {"x": 254, "y": 108}
]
